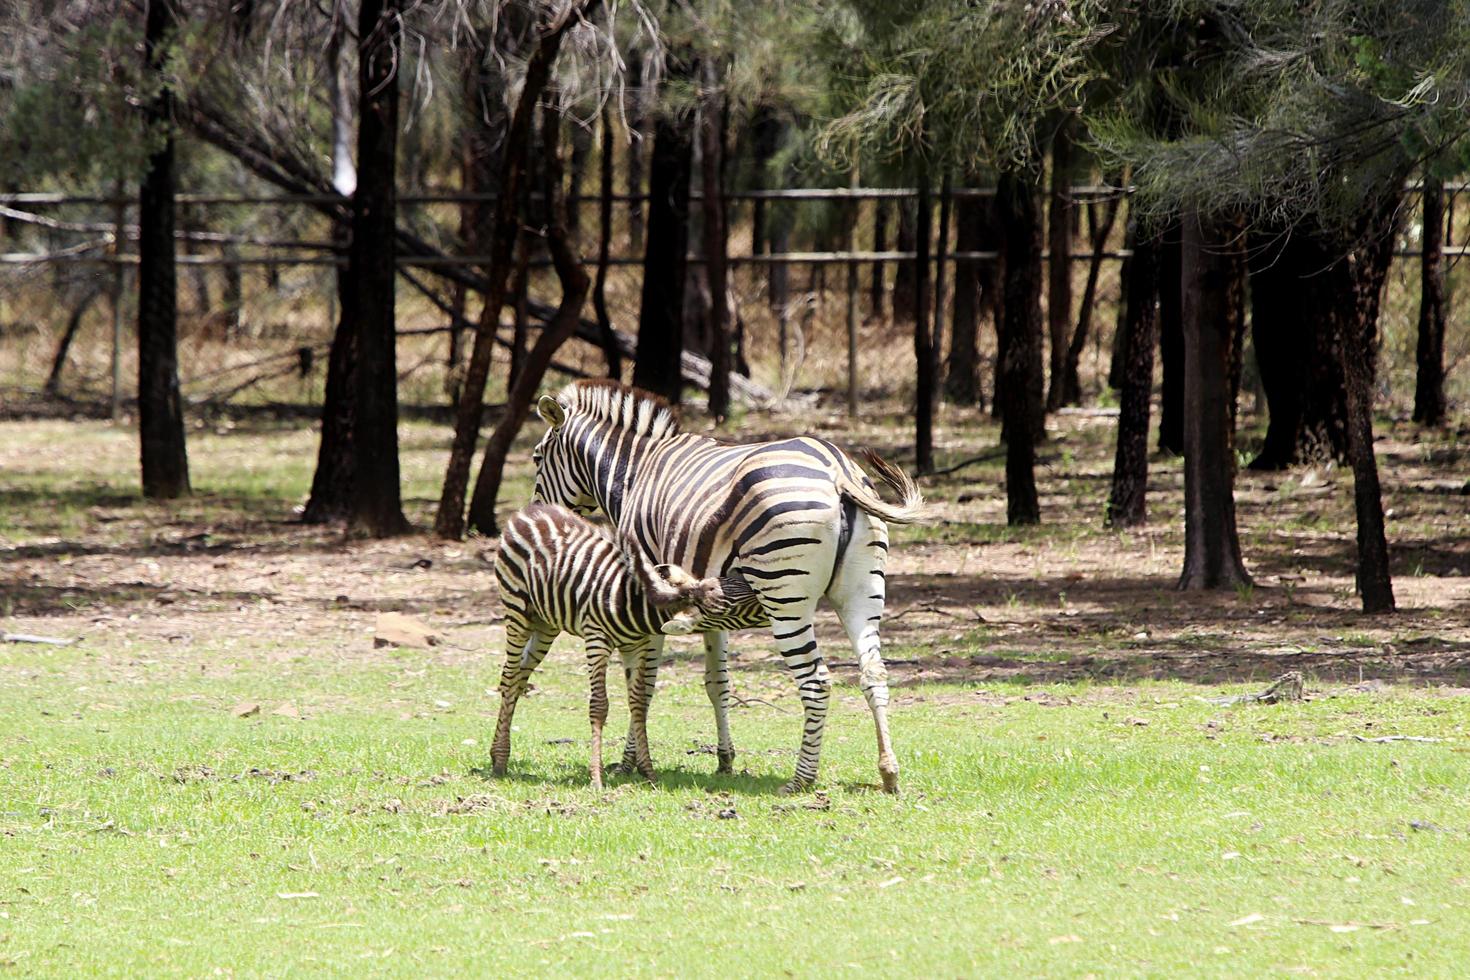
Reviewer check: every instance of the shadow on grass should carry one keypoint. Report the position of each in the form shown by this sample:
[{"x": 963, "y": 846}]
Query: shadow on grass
[{"x": 677, "y": 778}]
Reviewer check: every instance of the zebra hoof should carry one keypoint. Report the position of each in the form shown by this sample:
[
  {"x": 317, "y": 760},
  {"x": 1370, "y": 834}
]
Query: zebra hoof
[
  {"x": 796, "y": 785},
  {"x": 621, "y": 769},
  {"x": 727, "y": 763},
  {"x": 497, "y": 768},
  {"x": 890, "y": 782}
]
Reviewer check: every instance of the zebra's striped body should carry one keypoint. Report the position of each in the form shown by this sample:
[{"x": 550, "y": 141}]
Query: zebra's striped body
[
  {"x": 559, "y": 573},
  {"x": 797, "y": 518}
]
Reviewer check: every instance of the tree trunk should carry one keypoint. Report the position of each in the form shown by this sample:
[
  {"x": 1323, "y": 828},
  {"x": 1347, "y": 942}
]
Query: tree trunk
[
  {"x": 1295, "y": 300},
  {"x": 962, "y": 369},
  {"x": 610, "y": 351},
  {"x": 558, "y": 330},
  {"x": 52, "y": 387},
  {"x": 1100, "y": 231},
  {"x": 331, "y": 483},
  {"x": 1429, "y": 399},
  {"x": 712, "y": 146},
  {"x": 661, "y": 312},
  {"x": 374, "y": 506},
  {"x": 1171, "y": 342},
  {"x": 449, "y": 522},
  {"x": 1059, "y": 265},
  {"x": 941, "y": 266},
  {"x": 1020, "y": 381},
  {"x": 1211, "y": 545},
  {"x": 765, "y": 138},
  {"x": 923, "y": 339},
  {"x": 160, "y": 407},
  {"x": 877, "y": 290},
  {"x": 637, "y": 149},
  {"x": 1127, "y": 503}
]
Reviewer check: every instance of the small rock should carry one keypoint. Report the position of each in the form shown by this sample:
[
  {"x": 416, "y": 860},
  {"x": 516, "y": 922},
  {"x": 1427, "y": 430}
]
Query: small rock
[
  {"x": 245, "y": 709},
  {"x": 287, "y": 711},
  {"x": 728, "y": 814},
  {"x": 397, "y": 630}
]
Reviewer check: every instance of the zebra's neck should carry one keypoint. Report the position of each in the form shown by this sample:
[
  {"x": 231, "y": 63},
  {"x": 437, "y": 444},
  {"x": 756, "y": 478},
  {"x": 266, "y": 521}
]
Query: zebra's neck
[{"x": 614, "y": 458}]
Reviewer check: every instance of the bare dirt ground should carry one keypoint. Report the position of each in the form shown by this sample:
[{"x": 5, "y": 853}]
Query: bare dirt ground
[{"x": 971, "y": 601}]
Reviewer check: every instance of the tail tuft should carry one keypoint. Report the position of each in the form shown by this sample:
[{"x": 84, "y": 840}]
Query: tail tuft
[{"x": 911, "y": 509}]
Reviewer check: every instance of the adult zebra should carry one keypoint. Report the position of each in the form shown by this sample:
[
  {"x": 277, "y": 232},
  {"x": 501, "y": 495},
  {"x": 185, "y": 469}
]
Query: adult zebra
[{"x": 797, "y": 518}]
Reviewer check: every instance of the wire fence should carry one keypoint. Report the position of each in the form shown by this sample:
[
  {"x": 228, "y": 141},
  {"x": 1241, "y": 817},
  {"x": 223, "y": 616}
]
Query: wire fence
[{"x": 818, "y": 277}]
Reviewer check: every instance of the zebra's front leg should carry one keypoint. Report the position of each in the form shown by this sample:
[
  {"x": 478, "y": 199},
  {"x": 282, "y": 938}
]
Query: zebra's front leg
[
  {"x": 717, "y": 686},
  {"x": 597, "y": 656},
  {"x": 524, "y": 651},
  {"x": 794, "y": 630}
]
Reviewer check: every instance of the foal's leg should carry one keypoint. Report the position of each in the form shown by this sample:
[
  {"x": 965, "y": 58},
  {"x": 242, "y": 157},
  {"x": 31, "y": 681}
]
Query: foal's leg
[
  {"x": 857, "y": 592},
  {"x": 650, "y": 651},
  {"x": 628, "y": 765},
  {"x": 597, "y": 656},
  {"x": 525, "y": 648},
  {"x": 717, "y": 686}
]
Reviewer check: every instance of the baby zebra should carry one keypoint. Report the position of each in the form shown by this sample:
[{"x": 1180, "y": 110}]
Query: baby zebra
[{"x": 560, "y": 573}]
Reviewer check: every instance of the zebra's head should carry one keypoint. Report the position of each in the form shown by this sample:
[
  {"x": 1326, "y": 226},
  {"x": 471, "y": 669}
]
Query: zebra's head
[{"x": 559, "y": 478}]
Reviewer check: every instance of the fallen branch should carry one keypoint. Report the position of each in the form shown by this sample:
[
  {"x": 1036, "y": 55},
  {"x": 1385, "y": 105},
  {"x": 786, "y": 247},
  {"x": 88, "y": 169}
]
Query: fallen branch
[
  {"x": 1398, "y": 738},
  {"x": 997, "y": 453},
  {"x": 33, "y": 638}
]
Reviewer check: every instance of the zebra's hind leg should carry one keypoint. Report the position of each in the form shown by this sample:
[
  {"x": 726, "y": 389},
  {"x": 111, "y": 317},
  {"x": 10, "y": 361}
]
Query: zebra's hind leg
[
  {"x": 858, "y": 592},
  {"x": 629, "y": 763},
  {"x": 524, "y": 650},
  {"x": 597, "y": 656},
  {"x": 649, "y": 651},
  {"x": 793, "y": 627},
  {"x": 717, "y": 686}
]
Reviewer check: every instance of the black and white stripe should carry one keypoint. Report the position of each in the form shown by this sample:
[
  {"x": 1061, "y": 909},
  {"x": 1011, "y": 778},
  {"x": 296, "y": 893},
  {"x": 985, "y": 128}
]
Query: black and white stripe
[
  {"x": 559, "y": 573},
  {"x": 796, "y": 518}
]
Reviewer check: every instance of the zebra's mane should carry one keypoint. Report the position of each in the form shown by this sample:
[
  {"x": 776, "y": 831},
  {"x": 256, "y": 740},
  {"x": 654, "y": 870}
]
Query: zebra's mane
[{"x": 643, "y": 412}]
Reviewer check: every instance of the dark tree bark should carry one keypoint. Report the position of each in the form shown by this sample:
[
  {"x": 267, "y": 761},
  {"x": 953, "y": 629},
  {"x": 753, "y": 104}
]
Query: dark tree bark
[
  {"x": 610, "y": 351},
  {"x": 1116, "y": 367},
  {"x": 1171, "y": 343},
  {"x": 374, "y": 506},
  {"x": 765, "y": 139},
  {"x": 941, "y": 265},
  {"x": 712, "y": 161},
  {"x": 877, "y": 290},
  {"x": 637, "y": 146},
  {"x": 1369, "y": 270},
  {"x": 1020, "y": 382},
  {"x": 1211, "y": 544},
  {"x": 923, "y": 340},
  {"x": 580, "y": 138},
  {"x": 52, "y": 388},
  {"x": 1429, "y": 399},
  {"x": 1127, "y": 503},
  {"x": 160, "y": 408},
  {"x": 962, "y": 369},
  {"x": 332, "y": 482},
  {"x": 1100, "y": 230},
  {"x": 661, "y": 311},
  {"x": 1059, "y": 266},
  {"x": 905, "y": 271},
  {"x": 1295, "y": 300},
  {"x": 449, "y": 522}
]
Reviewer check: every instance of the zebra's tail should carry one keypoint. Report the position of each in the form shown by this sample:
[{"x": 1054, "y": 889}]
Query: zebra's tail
[{"x": 912, "y": 509}]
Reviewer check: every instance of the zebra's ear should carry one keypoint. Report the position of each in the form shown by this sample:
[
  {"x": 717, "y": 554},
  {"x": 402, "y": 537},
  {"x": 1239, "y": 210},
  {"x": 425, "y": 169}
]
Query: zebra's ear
[{"x": 551, "y": 411}]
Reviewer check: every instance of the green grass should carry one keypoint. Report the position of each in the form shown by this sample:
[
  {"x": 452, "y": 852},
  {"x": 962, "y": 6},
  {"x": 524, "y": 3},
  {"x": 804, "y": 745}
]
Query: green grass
[{"x": 148, "y": 831}]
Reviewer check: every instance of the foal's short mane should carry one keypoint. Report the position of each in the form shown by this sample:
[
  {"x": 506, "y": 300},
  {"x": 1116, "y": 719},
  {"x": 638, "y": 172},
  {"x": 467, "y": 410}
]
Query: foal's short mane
[{"x": 645, "y": 413}]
